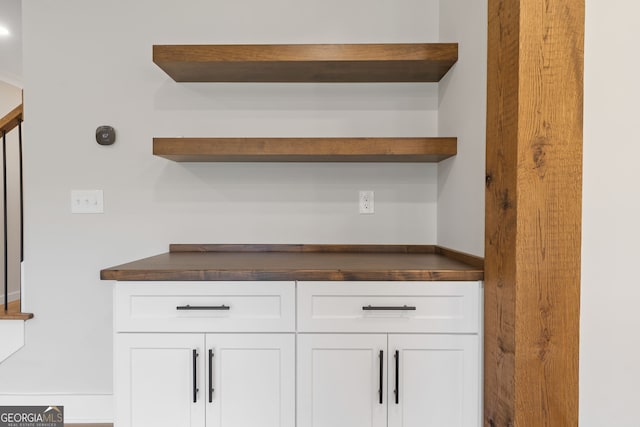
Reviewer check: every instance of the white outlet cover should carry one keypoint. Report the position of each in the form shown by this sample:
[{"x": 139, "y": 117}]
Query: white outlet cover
[
  {"x": 365, "y": 204},
  {"x": 87, "y": 201}
]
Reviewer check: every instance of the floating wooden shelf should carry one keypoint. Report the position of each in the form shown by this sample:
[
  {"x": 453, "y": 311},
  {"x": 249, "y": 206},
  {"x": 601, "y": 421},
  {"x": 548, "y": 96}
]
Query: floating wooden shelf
[
  {"x": 426, "y": 62},
  {"x": 305, "y": 149},
  {"x": 302, "y": 262}
]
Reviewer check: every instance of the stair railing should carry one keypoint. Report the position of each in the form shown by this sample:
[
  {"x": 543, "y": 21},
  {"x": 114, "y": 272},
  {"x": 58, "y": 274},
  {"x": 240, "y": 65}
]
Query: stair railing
[{"x": 7, "y": 124}]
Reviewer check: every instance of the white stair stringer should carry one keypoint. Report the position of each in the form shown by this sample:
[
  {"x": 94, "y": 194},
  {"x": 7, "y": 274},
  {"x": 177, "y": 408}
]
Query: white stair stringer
[{"x": 11, "y": 337}]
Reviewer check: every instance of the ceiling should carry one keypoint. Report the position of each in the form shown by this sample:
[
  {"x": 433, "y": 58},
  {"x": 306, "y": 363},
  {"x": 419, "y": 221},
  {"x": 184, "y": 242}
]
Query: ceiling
[{"x": 11, "y": 45}]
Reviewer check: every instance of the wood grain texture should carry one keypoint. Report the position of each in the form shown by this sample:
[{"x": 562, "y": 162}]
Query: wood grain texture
[
  {"x": 11, "y": 120},
  {"x": 305, "y": 248},
  {"x": 533, "y": 212},
  {"x": 475, "y": 261},
  {"x": 14, "y": 312},
  {"x": 305, "y": 149},
  {"x": 7, "y": 315},
  {"x": 89, "y": 425},
  {"x": 427, "y": 62},
  {"x": 295, "y": 262}
]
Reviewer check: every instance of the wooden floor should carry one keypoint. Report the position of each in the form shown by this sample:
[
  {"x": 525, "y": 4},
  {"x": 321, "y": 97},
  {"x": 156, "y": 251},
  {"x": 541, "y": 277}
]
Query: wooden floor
[
  {"x": 14, "y": 306},
  {"x": 89, "y": 425},
  {"x": 13, "y": 312}
]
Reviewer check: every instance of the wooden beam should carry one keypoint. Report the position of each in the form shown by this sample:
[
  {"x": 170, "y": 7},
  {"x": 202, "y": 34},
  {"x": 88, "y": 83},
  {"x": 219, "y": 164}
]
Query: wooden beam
[{"x": 533, "y": 212}]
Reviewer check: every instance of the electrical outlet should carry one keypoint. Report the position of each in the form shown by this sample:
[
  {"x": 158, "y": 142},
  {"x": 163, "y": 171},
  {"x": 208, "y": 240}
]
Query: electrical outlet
[
  {"x": 87, "y": 201},
  {"x": 366, "y": 202}
]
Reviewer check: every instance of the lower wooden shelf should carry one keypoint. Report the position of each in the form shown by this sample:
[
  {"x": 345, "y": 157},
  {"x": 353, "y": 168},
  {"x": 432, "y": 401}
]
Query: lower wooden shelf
[{"x": 305, "y": 149}]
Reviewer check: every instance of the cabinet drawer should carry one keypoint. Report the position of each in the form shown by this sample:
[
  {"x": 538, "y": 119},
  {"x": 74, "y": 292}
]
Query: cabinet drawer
[
  {"x": 205, "y": 307},
  {"x": 447, "y": 307}
]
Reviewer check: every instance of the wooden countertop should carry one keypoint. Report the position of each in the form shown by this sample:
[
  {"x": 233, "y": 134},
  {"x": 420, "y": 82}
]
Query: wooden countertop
[{"x": 302, "y": 262}]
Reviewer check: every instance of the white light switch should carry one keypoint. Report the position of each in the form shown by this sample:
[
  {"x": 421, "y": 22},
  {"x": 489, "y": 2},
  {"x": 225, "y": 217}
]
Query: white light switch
[{"x": 87, "y": 201}]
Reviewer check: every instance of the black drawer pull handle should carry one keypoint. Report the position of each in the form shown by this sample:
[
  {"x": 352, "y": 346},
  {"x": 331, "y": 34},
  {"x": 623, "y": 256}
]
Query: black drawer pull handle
[
  {"x": 210, "y": 375},
  {"x": 388, "y": 308},
  {"x": 203, "y": 307},
  {"x": 195, "y": 375},
  {"x": 381, "y": 357},
  {"x": 397, "y": 389}
]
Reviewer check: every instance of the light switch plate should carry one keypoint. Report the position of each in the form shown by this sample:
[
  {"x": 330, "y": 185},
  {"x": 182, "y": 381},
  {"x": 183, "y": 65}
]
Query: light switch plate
[{"x": 87, "y": 201}]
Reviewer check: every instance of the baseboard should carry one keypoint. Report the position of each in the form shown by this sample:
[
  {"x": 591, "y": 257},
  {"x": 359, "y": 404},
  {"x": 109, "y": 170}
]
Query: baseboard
[
  {"x": 78, "y": 408},
  {"x": 15, "y": 295}
]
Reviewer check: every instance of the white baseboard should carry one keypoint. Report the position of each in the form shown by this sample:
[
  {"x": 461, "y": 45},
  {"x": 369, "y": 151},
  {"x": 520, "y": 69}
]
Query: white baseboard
[
  {"x": 12, "y": 296},
  {"x": 78, "y": 408}
]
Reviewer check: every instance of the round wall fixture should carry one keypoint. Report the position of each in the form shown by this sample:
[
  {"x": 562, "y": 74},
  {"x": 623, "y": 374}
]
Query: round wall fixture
[{"x": 105, "y": 135}]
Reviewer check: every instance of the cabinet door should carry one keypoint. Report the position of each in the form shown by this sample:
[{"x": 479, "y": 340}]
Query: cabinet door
[
  {"x": 157, "y": 380},
  {"x": 252, "y": 377},
  {"x": 437, "y": 378},
  {"x": 341, "y": 380}
]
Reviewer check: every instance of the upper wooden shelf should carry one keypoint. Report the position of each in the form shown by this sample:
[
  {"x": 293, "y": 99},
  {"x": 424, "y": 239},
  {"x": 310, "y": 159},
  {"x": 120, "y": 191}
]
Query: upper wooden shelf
[
  {"x": 305, "y": 149},
  {"x": 424, "y": 62}
]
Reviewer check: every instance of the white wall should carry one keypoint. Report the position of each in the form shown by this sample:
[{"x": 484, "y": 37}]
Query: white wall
[
  {"x": 610, "y": 315},
  {"x": 100, "y": 72},
  {"x": 10, "y": 97},
  {"x": 11, "y": 45},
  {"x": 462, "y": 113}
]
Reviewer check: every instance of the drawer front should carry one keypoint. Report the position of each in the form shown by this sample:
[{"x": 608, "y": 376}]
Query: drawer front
[
  {"x": 205, "y": 307},
  {"x": 438, "y": 307}
]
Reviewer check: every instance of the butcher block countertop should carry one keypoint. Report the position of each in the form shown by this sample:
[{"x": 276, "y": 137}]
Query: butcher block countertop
[{"x": 301, "y": 262}]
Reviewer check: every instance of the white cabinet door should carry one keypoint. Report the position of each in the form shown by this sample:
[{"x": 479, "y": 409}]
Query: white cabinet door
[
  {"x": 154, "y": 385},
  {"x": 253, "y": 380},
  {"x": 437, "y": 379},
  {"x": 341, "y": 380}
]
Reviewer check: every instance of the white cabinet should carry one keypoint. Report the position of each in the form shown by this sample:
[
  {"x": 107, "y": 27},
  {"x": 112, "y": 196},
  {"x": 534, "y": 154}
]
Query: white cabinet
[
  {"x": 253, "y": 380},
  {"x": 203, "y": 379},
  {"x": 433, "y": 380},
  {"x": 204, "y": 307},
  {"x": 363, "y": 380},
  {"x": 362, "y": 354},
  {"x": 154, "y": 380},
  {"x": 388, "y": 378},
  {"x": 341, "y": 380},
  {"x": 450, "y": 307}
]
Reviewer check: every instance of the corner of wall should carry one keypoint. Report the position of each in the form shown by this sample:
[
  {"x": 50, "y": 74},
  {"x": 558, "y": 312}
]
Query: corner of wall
[{"x": 462, "y": 113}]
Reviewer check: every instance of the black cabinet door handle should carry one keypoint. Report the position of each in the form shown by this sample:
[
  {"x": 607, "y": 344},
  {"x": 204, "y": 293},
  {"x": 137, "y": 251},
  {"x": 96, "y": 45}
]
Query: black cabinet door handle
[
  {"x": 388, "y": 308},
  {"x": 203, "y": 307},
  {"x": 397, "y": 389},
  {"x": 381, "y": 357},
  {"x": 195, "y": 376},
  {"x": 210, "y": 375}
]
